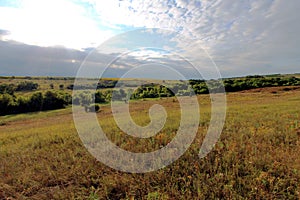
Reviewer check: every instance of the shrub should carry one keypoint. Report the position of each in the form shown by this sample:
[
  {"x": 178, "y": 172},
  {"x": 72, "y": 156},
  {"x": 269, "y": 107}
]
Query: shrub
[
  {"x": 7, "y": 88},
  {"x": 27, "y": 86},
  {"x": 36, "y": 101},
  {"x": 99, "y": 97},
  {"x": 55, "y": 100},
  {"x": 92, "y": 108},
  {"x": 6, "y": 103}
]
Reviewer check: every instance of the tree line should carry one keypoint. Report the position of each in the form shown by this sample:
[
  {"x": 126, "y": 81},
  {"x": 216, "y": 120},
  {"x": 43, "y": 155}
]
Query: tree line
[
  {"x": 23, "y": 86},
  {"x": 38, "y": 101},
  {"x": 10, "y": 104},
  {"x": 239, "y": 84}
]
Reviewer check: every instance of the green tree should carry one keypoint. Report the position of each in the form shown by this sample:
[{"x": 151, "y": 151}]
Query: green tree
[
  {"x": 6, "y": 103},
  {"x": 21, "y": 105},
  {"x": 99, "y": 97},
  {"x": 36, "y": 101},
  {"x": 7, "y": 88},
  {"x": 27, "y": 86},
  {"x": 53, "y": 100}
]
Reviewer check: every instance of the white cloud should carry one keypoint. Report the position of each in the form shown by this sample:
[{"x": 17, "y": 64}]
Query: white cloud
[
  {"x": 240, "y": 35},
  {"x": 50, "y": 23},
  {"x": 117, "y": 66}
]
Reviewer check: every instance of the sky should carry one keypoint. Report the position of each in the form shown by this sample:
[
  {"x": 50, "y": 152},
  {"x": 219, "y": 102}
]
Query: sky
[{"x": 236, "y": 37}]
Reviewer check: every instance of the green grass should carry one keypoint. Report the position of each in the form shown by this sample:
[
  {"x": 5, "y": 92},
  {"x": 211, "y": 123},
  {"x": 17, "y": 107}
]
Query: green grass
[
  {"x": 34, "y": 115},
  {"x": 257, "y": 156}
]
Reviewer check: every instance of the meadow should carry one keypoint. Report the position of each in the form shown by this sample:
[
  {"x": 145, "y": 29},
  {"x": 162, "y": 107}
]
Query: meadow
[{"x": 257, "y": 156}]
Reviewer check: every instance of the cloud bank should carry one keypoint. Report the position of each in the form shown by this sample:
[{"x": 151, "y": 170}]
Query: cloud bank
[{"x": 242, "y": 37}]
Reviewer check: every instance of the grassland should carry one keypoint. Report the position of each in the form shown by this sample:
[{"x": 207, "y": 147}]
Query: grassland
[{"x": 257, "y": 156}]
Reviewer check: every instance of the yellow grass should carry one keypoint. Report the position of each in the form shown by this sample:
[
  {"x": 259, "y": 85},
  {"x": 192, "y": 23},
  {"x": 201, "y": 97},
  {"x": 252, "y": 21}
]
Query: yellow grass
[{"x": 257, "y": 156}]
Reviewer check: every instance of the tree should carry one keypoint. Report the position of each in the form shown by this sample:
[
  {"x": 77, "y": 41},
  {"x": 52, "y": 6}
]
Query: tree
[
  {"x": 53, "y": 100},
  {"x": 21, "y": 105},
  {"x": 6, "y": 103},
  {"x": 70, "y": 87},
  {"x": 7, "y": 88},
  {"x": 27, "y": 86},
  {"x": 36, "y": 101},
  {"x": 99, "y": 97}
]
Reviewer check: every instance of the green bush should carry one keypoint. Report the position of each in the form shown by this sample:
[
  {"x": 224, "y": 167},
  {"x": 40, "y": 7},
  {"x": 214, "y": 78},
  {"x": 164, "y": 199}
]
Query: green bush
[
  {"x": 6, "y": 103},
  {"x": 7, "y": 89},
  {"x": 49, "y": 101},
  {"x": 27, "y": 86}
]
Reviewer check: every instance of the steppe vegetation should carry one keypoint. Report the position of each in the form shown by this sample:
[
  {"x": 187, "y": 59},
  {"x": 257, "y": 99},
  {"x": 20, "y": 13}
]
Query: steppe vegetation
[{"x": 257, "y": 156}]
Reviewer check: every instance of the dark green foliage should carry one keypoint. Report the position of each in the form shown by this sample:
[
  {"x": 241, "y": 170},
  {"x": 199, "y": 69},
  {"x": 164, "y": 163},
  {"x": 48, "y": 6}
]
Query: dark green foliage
[
  {"x": 106, "y": 84},
  {"x": 21, "y": 105},
  {"x": 49, "y": 101},
  {"x": 6, "y": 102},
  {"x": 54, "y": 100},
  {"x": 36, "y": 101},
  {"x": 10, "y": 104},
  {"x": 239, "y": 84},
  {"x": 61, "y": 86},
  {"x": 7, "y": 89},
  {"x": 70, "y": 87},
  {"x": 100, "y": 85},
  {"x": 199, "y": 87},
  {"x": 27, "y": 86},
  {"x": 152, "y": 91}
]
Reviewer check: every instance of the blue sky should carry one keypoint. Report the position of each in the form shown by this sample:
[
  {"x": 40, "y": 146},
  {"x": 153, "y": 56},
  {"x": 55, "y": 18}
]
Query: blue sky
[{"x": 53, "y": 37}]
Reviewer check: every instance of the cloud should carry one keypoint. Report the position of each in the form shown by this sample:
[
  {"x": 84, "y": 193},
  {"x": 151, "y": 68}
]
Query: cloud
[
  {"x": 264, "y": 39},
  {"x": 50, "y": 23},
  {"x": 242, "y": 37},
  {"x": 3, "y": 33},
  {"x": 19, "y": 59}
]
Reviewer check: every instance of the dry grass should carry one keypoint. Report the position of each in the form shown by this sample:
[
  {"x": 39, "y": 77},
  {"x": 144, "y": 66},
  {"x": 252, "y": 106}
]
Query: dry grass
[{"x": 257, "y": 156}]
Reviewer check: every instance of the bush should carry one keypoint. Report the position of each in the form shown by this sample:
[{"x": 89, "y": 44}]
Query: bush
[
  {"x": 22, "y": 105},
  {"x": 92, "y": 108},
  {"x": 6, "y": 103},
  {"x": 99, "y": 97},
  {"x": 70, "y": 87},
  {"x": 36, "y": 101},
  {"x": 49, "y": 101},
  {"x": 7, "y": 89},
  {"x": 27, "y": 86},
  {"x": 55, "y": 100}
]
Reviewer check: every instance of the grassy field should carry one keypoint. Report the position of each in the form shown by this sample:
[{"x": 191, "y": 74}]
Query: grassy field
[{"x": 257, "y": 156}]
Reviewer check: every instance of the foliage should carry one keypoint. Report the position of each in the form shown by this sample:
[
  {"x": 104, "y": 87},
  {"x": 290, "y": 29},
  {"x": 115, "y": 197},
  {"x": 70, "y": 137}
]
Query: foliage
[
  {"x": 151, "y": 91},
  {"x": 36, "y": 102},
  {"x": 6, "y": 103},
  {"x": 124, "y": 91},
  {"x": 23, "y": 86},
  {"x": 7, "y": 89},
  {"x": 239, "y": 84},
  {"x": 27, "y": 86}
]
